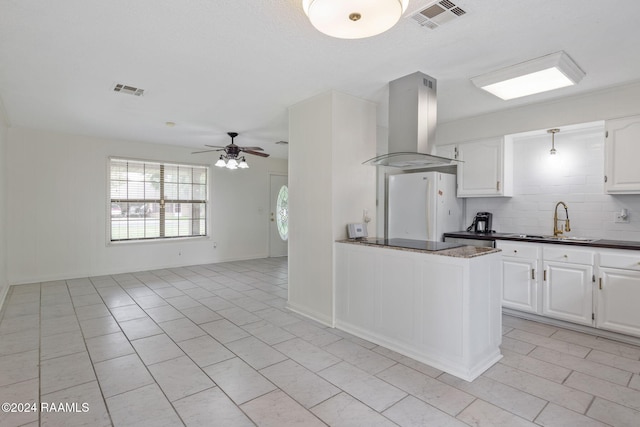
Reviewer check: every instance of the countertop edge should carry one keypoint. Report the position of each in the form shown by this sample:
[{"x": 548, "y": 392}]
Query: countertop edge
[
  {"x": 460, "y": 252},
  {"x": 601, "y": 243}
]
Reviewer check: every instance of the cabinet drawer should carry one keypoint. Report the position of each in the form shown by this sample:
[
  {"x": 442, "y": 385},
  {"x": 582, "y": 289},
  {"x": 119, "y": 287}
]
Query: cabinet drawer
[
  {"x": 562, "y": 253},
  {"x": 519, "y": 250},
  {"x": 628, "y": 261}
]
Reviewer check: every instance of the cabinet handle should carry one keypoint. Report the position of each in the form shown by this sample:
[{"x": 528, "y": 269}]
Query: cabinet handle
[
  {"x": 605, "y": 178},
  {"x": 515, "y": 251},
  {"x": 565, "y": 256},
  {"x": 600, "y": 282},
  {"x": 497, "y": 185},
  {"x": 533, "y": 274},
  {"x": 544, "y": 276}
]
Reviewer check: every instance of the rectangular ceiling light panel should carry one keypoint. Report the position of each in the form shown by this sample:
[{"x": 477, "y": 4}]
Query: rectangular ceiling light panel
[{"x": 527, "y": 78}]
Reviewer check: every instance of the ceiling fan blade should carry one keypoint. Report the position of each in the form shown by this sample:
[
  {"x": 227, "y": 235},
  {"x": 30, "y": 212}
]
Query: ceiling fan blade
[
  {"x": 252, "y": 148},
  {"x": 213, "y": 146},
  {"x": 255, "y": 153},
  {"x": 204, "y": 151}
]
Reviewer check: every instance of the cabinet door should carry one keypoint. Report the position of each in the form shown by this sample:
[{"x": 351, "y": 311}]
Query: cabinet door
[
  {"x": 622, "y": 149},
  {"x": 449, "y": 151},
  {"x": 618, "y": 296},
  {"x": 520, "y": 284},
  {"x": 567, "y": 292},
  {"x": 481, "y": 173}
]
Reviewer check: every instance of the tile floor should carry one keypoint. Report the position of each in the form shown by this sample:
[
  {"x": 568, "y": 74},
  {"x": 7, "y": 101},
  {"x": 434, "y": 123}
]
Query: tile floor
[{"x": 214, "y": 345}]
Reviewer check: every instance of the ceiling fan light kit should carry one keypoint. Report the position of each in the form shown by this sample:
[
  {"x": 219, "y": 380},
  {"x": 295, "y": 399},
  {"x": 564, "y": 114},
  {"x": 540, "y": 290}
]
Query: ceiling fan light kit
[
  {"x": 549, "y": 72},
  {"x": 353, "y": 19},
  {"x": 231, "y": 158}
]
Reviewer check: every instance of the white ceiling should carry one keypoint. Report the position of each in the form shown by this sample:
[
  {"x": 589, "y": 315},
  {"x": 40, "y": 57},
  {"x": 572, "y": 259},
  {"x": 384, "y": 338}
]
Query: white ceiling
[{"x": 213, "y": 66}]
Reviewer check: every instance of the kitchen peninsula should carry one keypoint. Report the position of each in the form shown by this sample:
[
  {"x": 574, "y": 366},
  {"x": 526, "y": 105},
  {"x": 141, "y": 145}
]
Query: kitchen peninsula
[{"x": 436, "y": 302}]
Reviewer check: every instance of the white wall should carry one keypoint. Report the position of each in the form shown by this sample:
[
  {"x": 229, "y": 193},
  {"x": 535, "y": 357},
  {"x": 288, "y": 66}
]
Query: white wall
[
  {"x": 330, "y": 135},
  {"x": 539, "y": 185},
  {"x": 57, "y": 209},
  {"x": 3, "y": 205}
]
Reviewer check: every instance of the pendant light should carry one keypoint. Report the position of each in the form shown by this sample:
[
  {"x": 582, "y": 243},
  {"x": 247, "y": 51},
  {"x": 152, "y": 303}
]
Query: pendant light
[
  {"x": 353, "y": 19},
  {"x": 553, "y": 140}
]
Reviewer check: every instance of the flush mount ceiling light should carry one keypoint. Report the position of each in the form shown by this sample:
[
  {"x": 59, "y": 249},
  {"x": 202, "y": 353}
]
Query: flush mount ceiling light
[
  {"x": 353, "y": 19},
  {"x": 553, "y": 140},
  {"x": 527, "y": 78}
]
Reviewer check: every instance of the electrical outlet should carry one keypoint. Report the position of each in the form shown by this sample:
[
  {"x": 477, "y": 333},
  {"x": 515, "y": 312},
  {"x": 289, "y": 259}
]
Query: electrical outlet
[{"x": 621, "y": 217}]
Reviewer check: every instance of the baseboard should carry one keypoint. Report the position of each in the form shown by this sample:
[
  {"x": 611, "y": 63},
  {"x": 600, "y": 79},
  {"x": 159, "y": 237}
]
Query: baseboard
[
  {"x": 615, "y": 336},
  {"x": 311, "y": 314}
]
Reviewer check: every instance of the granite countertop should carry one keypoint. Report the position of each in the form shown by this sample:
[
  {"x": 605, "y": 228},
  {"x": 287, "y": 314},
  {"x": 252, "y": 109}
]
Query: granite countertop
[
  {"x": 596, "y": 243},
  {"x": 455, "y": 250}
]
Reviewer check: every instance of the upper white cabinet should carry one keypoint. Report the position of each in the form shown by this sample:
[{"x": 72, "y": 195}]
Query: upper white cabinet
[
  {"x": 486, "y": 169},
  {"x": 622, "y": 150},
  {"x": 450, "y": 151}
]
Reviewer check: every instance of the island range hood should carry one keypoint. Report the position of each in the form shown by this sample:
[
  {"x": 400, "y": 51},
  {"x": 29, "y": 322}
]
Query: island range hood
[{"x": 412, "y": 124}]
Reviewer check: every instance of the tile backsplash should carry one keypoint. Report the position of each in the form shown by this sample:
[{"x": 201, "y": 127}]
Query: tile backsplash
[{"x": 575, "y": 175}]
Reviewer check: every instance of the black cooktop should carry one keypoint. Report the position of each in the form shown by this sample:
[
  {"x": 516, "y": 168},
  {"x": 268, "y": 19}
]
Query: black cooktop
[{"x": 425, "y": 245}]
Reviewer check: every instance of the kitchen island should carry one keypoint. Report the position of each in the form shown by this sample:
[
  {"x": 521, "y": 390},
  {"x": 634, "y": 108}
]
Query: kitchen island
[{"x": 438, "y": 303}]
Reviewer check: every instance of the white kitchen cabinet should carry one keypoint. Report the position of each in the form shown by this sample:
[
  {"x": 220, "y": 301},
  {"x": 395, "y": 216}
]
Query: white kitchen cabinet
[
  {"x": 486, "y": 168},
  {"x": 450, "y": 151},
  {"x": 520, "y": 278},
  {"x": 618, "y": 294},
  {"x": 622, "y": 150},
  {"x": 567, "y": 291}
]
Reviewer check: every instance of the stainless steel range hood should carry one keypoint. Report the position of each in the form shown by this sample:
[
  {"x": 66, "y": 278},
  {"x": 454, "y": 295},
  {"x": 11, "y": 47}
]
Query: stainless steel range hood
[{"x": 412, "y": 124}]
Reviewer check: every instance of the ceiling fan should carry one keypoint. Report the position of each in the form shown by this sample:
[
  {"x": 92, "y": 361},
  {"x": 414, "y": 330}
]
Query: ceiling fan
[{"x": 231, "y": 158}]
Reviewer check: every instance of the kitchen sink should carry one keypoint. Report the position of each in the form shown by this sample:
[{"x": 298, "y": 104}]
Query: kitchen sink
[{"x": 554, "y": 238}]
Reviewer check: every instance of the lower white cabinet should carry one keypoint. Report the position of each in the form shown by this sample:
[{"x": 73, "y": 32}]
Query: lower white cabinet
[
  {"x": 520, "y": 276},
  {"x": 567, "y": 293},
  {"x": 618, "y": 294}
]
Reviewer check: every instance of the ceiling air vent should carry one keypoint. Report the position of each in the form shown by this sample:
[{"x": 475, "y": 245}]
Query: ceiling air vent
[
  {"x": 130, "y": 90},
  {"x": 437, "y": 13}
]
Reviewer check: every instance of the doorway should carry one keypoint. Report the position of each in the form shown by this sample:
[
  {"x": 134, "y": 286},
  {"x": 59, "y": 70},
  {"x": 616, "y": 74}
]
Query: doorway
[{"x": 278, "y": 216}]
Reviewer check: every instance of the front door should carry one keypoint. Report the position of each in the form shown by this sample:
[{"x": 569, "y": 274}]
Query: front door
[{"x": 278, "y": 216}]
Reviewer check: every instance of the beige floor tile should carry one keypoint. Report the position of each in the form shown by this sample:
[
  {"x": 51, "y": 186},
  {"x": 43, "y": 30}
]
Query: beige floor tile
[
  {"x": 99, "y": 326},
  {"x": 615, "y": 361},
  {"x": 64, "y": 372},
  {"x": 562, "y": 395},
  {"x": 21, "y": 323},
  {"x": 557, "y": 416},
  {"x": 613, "y": 414},
  {"x": 598, "y": 343},
  {"x": 529, "y": 326},
  {"x": 361, "y": 357},
  {"x": 61, "y": 345},
  {"x": 506, "y": 397},
  {"x": 156, "y": 348},
  {"x": 438, "y": 394},
  {"x": 256, "y": 353},
  {"x": 128, "y": 312},
  {"x": 209, "y": 406},
  {"x": 205, "y": 351},
  {"x": 604, "y": 389},
  {"x": 183, "y": 301},
  {"x": 168, "y": 292},
  {"x": 200, "y": 314},
  {"x": 144, "y": 407},
  {"x": 92, "y": 311},
  {"x": 109, "y": 346},
  {"x": 635, "y": 382},
  {"x": 19, "y": 367},
  {"x": 140, "y": 328},
  {"x": 25, "y": 392},
  {"x": 370, "y": 390},
  {"x": 561, "y": 346},
  {"x": 181, "y": 329},
  {"x": 122, "y": 374},
  {"x": 88, "y": 299},
  {"x": 60, "y": 325},
  {"x": 216, "y": 303},
  {"x": 277, "y": 317},
  {"x": 268, "y": 333},
  {"x": 407, "y": 361},
  {"x": 19, "y": 342},
  {"x": 534, "y": 366},
  {"x": 276, "y": 409},
  {"x": 224, "y": 331},
  {"x": 301, "y": 384},
  {"x": 481, "y": 413},
  {"x": 164, "y": 313},
  {"x": 238, "y": 316},
  {"x": 308, "y": 355},
  {"x": 238, "y": 380},
  {"x": 344, "y": 410},
  {"x": 410, "y": 412},
  {"x": 595, "y": 369},
  {"x": 150, "y": 301},
  {"x": 87, "y": 407},
  {"x": 180, "y": 377}
]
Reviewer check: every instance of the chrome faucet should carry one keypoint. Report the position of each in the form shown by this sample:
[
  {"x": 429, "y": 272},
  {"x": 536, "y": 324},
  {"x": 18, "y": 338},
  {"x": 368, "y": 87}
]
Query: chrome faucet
[{"x": 557, "y": 231}]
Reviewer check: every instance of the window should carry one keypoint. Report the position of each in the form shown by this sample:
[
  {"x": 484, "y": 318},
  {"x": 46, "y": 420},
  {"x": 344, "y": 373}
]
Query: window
[
  {"x": 157, "y": 200},
  {"x": 282, "y": 212}
]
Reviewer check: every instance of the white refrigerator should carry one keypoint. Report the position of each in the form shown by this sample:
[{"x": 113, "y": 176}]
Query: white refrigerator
[{"x": 422, "y": 206}]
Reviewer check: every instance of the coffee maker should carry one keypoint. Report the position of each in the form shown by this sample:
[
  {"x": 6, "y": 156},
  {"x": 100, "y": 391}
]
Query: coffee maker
[{"x": 482, "y": 223}]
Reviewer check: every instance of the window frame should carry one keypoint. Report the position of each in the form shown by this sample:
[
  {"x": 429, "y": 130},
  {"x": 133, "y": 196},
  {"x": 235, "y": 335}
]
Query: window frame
[{"x": 159, "y": 239}]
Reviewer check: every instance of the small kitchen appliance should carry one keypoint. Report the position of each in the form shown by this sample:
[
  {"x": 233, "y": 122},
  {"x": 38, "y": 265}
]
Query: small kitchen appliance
[{"x": 482, "y": 223}]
